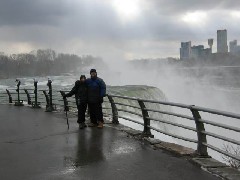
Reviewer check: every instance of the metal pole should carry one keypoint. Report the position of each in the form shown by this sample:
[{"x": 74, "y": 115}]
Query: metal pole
[
  {"x": 66, "y": 108},
  {"x": 114, "y": 110},
  {"x": 18, "y": 103},
  {"x": 9, "y": 96},
  {"x": 201, "y": 149},
  {"x": 36, "y": 104},
  {"x": 47, "y": 99},
  {"x": 28, "y": 97},
  {"x": 50, "y": 107},
  {"x": 147, "y": 131}
]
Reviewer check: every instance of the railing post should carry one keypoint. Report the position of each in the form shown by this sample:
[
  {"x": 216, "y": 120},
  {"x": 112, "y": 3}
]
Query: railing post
[
  {"x": 50, "y": 107},
  {"x": 28, "y": 97},
  {"x": 18, "y": 102},
  {"x": 9, "y": 96},
  {"x": 201, "y": 149},
  {"x": 47, "y": 99},
  {"x": 147, "y": 131},
  {"x": 66, "y": 108},
  {"x": 35, "y": 104},
  {"x": 114, "y": 110}
]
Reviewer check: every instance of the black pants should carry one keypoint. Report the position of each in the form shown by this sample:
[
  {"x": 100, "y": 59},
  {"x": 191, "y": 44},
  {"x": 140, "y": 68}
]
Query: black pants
[
  {"x": 96, "y": 114},
  {"x": 81, "y": 112}
]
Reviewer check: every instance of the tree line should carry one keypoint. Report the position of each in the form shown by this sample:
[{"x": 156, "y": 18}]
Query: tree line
[{"x": 44, "y": 62}]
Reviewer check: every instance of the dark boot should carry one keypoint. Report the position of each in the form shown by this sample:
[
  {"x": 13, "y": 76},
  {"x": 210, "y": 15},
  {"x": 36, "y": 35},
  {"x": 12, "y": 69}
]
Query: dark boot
[
  {"x": 82, "y": 125},
  {"x": 100, "y": 125}
]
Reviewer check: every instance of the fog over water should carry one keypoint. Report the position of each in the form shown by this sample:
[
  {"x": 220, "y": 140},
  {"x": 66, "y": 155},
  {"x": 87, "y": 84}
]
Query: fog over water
[{"x": 210, "y": 87}]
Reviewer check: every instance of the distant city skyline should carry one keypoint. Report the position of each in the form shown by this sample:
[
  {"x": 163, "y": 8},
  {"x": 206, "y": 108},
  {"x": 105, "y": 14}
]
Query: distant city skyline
[
  {"x": 189, "y": 51},
  {"x": 115, "y": 29}
]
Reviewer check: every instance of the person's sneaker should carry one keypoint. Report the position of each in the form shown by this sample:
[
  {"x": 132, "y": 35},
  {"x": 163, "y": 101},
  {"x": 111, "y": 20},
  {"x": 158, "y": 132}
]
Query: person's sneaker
[
  {"x": 100, "y": 125},
  {"x": 92, "y": 125},
  {"x": 82, "y": 125}
]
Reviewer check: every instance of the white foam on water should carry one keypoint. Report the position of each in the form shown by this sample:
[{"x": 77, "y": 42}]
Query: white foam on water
[{"x": 3, "y": 87}]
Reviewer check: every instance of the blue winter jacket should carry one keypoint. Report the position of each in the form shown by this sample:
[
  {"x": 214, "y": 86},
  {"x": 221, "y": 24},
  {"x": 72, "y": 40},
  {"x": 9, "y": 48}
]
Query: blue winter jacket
[{"x": 96, "y": 90}]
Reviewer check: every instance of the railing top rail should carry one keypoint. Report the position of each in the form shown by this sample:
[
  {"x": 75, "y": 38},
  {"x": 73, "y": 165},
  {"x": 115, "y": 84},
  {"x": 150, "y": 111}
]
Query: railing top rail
[
  {"x": 152, "y": 101},
  {"x": 208, "y": 110},
  {"x": 168, "y": 103},
  {"x": 218, "y": 112},
  {"x": 124, "y": 97}
]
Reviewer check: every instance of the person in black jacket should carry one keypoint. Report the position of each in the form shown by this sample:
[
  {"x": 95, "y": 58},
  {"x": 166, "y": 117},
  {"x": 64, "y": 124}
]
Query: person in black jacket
[
  {"x": 96, "y": 92},
  {"x": 80, "y": 91}
]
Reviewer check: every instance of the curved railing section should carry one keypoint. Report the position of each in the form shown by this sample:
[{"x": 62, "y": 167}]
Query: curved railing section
[
  {"x": 200, "y": 123},
  {"x": 113, "y": 106}
]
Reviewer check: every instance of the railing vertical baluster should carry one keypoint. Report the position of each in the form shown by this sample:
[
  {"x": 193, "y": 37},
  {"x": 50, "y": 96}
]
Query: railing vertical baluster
[
  {"x": 47, "y": 99},
  {"x": 201, "y": 149},
  {"x": 9, "y": 96},
  {"x": 114, "y": 110},
  {"x": 18, "y": 102},
  {"x": 50, "y": 107},
  {"x": 28, "y": 97},
  {"x": 147, "y": 130},
  {"x": 36, "y": 104},
  {"x": 66, "y": 108},
  {"x": 65, "y": 101}
]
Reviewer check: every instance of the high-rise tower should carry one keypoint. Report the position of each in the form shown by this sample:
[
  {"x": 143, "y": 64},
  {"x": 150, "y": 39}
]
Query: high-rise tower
[
  {"x": 233, "y": 46},
  {"x": 210, "y": 43},
  {"x": 185, "y": 50},
  {"x": 222, "y": 46}
]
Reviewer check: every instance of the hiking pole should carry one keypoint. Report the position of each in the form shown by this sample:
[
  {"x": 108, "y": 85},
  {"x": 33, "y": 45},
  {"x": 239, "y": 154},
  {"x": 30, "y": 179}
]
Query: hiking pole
[
  {"x": 66, "y": 108},
  {"x": 67, "y": 118}
]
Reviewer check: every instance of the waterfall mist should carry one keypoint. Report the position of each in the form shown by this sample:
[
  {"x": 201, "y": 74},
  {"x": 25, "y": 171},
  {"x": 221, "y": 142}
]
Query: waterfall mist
[{"x": 210, "y": 87}]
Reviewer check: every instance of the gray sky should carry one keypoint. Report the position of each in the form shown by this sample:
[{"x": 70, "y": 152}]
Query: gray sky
[{"x": 114, "y": 29}]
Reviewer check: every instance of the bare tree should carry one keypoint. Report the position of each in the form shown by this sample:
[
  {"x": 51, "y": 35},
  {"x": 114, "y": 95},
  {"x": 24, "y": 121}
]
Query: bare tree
[{"x": 232, "y": 150}]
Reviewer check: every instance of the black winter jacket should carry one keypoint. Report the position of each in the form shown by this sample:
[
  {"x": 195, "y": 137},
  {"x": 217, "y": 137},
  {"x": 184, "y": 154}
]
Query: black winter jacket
[{"x": 80, "y": 90}]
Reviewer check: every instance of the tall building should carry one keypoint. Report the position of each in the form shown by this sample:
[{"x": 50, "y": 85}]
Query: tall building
[
  {"x": 210, "y": 43},
  {"x": 234, "y": 48},
  {"x": 222, "y": 46},
  {"x": 185, "y": 50},
  {"x": 233, "y": 45},
  {"x": 206, "y": 53},
  {"x": 197, "y": 51}
]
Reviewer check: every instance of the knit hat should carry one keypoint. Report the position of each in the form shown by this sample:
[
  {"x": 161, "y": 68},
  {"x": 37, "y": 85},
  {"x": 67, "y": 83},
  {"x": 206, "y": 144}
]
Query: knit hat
[
  {"x": 82, "y": 76},
  {"x": 93, "y": 70}
]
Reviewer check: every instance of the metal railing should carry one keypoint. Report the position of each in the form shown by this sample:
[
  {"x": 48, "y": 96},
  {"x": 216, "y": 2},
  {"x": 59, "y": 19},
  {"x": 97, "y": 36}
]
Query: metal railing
[
  {"x": 202, "y": 134},
  {"x": 113, "y": 106}
]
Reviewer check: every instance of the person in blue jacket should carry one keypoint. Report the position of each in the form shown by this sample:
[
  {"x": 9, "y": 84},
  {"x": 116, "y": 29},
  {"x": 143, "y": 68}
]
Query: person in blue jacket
[{"x": 96, "y": 91}]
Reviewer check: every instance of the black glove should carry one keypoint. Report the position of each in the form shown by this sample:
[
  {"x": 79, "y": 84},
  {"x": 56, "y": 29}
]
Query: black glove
[
  {"x": 101, "y": 100},
  {"x": 64, "y": 96}
]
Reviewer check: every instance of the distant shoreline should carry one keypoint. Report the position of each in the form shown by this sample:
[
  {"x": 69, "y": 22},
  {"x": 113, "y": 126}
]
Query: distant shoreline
[{"x": 2, "y": 77}]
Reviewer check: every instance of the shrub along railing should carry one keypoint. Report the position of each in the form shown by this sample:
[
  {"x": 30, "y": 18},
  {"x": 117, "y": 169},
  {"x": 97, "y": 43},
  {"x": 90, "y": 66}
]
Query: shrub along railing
[{"x": 112, "y": 106}]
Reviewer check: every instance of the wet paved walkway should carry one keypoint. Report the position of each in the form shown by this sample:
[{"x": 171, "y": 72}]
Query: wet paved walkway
[{"x": 37, "y": 145}]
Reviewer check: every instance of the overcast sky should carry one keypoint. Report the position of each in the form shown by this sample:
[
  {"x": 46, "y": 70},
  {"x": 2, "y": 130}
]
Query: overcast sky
[{"x": 114, "y": 29}]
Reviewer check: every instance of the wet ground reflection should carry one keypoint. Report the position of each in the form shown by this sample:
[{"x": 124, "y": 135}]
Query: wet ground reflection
[{"x": 88, "y": 151}]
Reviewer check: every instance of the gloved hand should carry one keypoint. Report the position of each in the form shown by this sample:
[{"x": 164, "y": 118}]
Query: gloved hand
[
  {"x": 64, "y": 96},
  {"x": 101, "y": 100}
]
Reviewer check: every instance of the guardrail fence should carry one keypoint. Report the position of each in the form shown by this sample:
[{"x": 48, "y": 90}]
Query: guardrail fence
[{"x": 113, "y": 105}]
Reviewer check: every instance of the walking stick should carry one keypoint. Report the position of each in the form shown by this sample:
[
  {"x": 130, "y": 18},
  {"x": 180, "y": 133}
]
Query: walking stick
[
  {"x": 67, "y": 119},
  {"x": 66, "y": 108}
]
